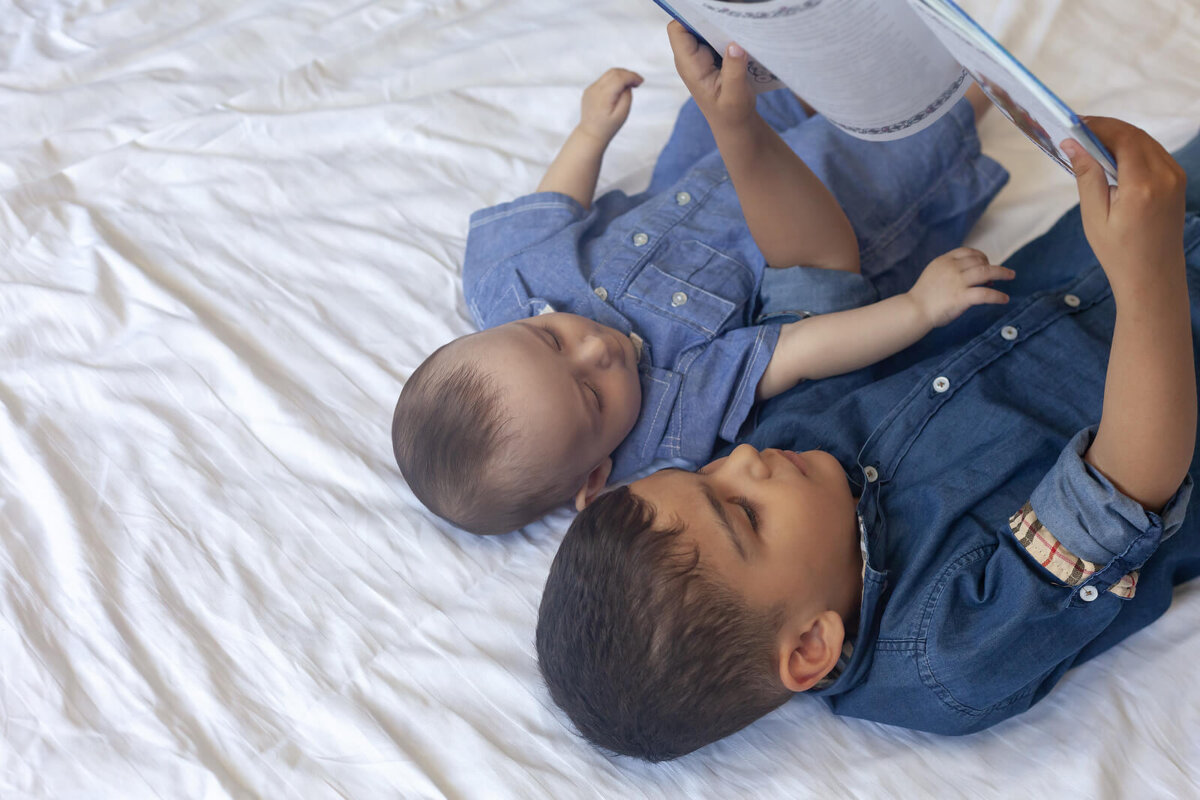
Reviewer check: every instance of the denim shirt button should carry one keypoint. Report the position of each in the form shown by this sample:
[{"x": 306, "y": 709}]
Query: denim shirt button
[
  {"x": 871, "y": 473},
  {"x": 600, "y": 292},
  {"x": 941, "y": 383},
  {"x": 1071, "y": 300},
  {"x": 1008, "y": 332},
  {"x": 678, "y": 299},
  {"x": 640, "y": 239},
  {"x": 682, "y": 198},
  {"x": 1088, "y": 593}
]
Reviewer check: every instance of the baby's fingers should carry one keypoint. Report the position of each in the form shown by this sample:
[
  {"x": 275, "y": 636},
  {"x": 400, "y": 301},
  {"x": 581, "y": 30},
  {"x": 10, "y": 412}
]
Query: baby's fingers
[
  {"x": 984, "y": 295},
  {"x": 967, "y": 254},
  {"x": 983, "y": 273},
  {"x": 616, "y": 81}
]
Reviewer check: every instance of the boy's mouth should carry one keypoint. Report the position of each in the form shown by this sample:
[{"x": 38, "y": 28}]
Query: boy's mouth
[{"x": 796, "y": 459}]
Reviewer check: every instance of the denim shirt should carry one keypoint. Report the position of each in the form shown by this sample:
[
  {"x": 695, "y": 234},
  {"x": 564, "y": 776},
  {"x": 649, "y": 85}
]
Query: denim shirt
[
  {"x": 681, "y": 272},
  {"x": 996, "y": 558},
  {"x": 677, "y": 266}
]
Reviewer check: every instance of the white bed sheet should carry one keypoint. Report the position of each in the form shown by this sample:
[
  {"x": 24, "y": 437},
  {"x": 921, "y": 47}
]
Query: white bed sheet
[{"x": 229, "y": 229}]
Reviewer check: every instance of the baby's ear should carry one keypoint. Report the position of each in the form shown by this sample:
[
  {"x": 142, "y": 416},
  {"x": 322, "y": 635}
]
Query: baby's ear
[
  {"x": 593, "y": 484},
  {"x": 809, "y": 650}
]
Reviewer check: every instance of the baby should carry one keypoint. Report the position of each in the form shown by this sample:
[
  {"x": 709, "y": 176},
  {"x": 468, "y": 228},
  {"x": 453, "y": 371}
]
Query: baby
[{"x": 646, "y": 327}]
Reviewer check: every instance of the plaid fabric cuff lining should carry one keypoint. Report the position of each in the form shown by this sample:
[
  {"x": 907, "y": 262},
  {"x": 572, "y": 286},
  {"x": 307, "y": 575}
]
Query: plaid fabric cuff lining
[{"x": 1061, "y": 562}]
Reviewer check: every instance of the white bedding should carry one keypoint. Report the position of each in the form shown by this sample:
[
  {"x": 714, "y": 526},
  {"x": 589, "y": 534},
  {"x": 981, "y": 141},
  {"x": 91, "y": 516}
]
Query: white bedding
[{"x": 229, "y": 229}]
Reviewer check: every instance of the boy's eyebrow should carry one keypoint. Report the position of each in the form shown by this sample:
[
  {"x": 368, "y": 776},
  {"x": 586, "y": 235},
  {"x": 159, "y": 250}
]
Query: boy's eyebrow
[{"x": 723, "y": 518}]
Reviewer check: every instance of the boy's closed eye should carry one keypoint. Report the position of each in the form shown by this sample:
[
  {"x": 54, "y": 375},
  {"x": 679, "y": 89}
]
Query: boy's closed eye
[
  {"x": 750, "y": 511},
  {"x": 733, "y": 530}
]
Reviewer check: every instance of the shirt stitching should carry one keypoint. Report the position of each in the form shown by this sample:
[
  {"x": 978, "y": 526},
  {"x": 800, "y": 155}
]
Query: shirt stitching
[
  {"x": 745, "y": 380},
  {"x": 648, "y": 447},
  {"x": 478, "y": 223}
]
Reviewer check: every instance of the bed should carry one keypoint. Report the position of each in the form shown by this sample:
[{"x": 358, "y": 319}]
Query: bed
[{"x": 229, "y": 230}]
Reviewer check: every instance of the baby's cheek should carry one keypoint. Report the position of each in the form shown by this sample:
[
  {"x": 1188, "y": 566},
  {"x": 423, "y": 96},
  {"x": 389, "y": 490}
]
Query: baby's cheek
[{"x": 633, "y": 399}]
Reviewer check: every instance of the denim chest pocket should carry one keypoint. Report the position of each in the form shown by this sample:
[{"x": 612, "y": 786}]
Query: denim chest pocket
[{"x": 693, "y": 284}]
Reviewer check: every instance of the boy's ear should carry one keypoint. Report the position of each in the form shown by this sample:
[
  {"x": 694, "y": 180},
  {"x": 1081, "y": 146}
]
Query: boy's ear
[
  {"x": 809, "y": 650},
  {"x": 593, "y": 484}
]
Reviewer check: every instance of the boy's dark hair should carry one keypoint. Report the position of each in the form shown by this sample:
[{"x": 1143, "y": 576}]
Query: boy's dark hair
[
  {"x": 448, "y": 431},
  {"x": 646, "y": 654}
]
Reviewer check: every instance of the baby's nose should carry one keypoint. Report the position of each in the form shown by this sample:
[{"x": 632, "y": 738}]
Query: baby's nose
[{"x": 594, "y": 350}]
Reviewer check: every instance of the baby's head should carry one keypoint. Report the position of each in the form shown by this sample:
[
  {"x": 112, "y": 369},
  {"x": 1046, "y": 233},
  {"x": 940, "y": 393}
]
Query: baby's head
[
  {"x": 495, "y": 429},
  {"x": 683, "y": 607}
]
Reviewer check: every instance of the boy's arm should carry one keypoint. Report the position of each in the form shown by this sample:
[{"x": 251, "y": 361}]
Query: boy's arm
[
  {"x": 1148, "y": 423},
  {"x": 793, "y": 218},
  {"x": 832, "y": 344},
  {"x": 604, "y": 109}
]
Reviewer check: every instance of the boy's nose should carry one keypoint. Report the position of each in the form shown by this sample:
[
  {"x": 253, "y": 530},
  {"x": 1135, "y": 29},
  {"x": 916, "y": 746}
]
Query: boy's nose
[{"x": 745, "y": 459}]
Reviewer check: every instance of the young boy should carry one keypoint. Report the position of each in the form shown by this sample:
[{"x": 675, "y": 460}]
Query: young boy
[
  {"x": 642, "y": 327},
  {"x": 989, "y": 536}
]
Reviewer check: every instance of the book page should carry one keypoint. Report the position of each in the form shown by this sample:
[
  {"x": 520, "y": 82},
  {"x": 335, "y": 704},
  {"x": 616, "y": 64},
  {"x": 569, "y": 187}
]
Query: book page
[
  {"x": 871, "y": 67},
  {"x": 1019, "y": 95}
]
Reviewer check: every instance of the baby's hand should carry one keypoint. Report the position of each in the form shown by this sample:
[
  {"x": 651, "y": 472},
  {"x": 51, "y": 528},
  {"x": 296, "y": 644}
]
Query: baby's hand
[
  {"x": 723, "y": 94},
  {"x": 954, "y": 282},
  {"x": 605, "y": 105}
]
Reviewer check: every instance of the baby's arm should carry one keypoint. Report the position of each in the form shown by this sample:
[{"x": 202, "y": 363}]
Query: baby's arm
[
  {"x": 605, "y": 107},
  {"x": 1148, "y": 423},
  {"x": 832, "y": 344},
  {"x": 793, "y": 218}
]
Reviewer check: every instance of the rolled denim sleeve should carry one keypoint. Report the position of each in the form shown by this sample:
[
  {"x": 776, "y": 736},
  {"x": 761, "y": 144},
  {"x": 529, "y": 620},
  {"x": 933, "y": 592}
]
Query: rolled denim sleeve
[
  {"x": 499, "y": 234},
  {"x": 718, "y": 390},
  {"x": 789, "y": 293},
  {"x": 1093, "y": 519}
]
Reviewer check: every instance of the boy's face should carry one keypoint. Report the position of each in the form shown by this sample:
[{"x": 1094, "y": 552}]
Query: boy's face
[
  {"x": 570, "y": 383},
  {"x": 777, "y": 527}
]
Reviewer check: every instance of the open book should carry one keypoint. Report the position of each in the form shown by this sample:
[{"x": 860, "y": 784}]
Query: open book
[{"x": 883, "y": 69}]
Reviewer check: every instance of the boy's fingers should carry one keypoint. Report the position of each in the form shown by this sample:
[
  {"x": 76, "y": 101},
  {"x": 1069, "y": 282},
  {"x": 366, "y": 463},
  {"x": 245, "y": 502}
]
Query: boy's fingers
[
  {"x": 734, "y": 80},
  {"x": 683, "y": 44},
  {"x": 1089, "y": 178},
  {"x": 1131, "y": 146},
  {"x": 692, "y": 61},
  {"x": 1140, "y": 157}
]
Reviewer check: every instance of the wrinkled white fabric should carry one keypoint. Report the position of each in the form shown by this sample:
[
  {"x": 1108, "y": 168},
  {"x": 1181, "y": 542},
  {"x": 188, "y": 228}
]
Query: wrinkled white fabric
[{"x": 229, "y": 229}]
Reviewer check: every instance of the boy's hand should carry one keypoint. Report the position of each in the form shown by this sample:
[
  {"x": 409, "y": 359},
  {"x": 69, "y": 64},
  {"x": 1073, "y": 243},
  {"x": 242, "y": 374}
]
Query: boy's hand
[
  {"x": 723, "y": 95},
  {"x": 1136, "y": 228},
  {"x": 605, "y": 104},
  {"x": 954, "y": 282}
]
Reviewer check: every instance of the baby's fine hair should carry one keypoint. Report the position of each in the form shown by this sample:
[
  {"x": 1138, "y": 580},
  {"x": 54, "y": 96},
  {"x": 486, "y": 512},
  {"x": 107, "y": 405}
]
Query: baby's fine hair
[
  {"x": 647, "y": 655},
  {"x": 449, "y": 432}
]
